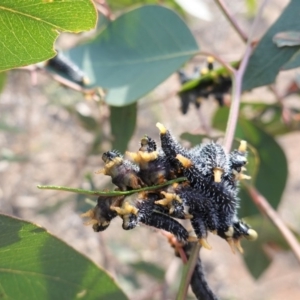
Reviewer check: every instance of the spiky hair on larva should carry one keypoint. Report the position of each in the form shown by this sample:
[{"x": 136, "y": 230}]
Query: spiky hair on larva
[
  {"x": 124, "y": 173},
  {"x": 209, "y": 196},
  {"x": 136, "y": 210},
  {"x": 213, "y": 161},
  {"x": 154, "y": 166}
]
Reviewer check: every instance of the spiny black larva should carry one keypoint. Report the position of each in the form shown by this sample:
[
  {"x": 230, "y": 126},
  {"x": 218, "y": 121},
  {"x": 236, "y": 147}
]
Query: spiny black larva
[
  {"x": 154, "y": 168},
  {"x": 124, "y": 174},
  {"x": 208, "y": 198}
]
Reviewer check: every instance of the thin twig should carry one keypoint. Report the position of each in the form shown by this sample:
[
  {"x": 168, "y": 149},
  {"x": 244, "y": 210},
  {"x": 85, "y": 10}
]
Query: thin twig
[
  {"x": 231, "y": 19},
  {"x": 187, "y": 273},
  {"x": 104, "y": 9},
  {"x": 237, "y": 81},
  {"x": 227, "y": 66},
  {"x": 109, "y": 193},
  {"x": 268, "y": 210},
  {"x": 63, "y": 81}
]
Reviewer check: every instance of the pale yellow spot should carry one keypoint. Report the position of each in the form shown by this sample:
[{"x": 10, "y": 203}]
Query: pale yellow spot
[
  {"x": 161, "y": 128},
  {"x": 203, "y": 242},
  {"x": 252, "y": 235},
  {"x": 217, "y": 174},
  {"x": 243, "y": 146},
  {"x": 210, "y": 59},
  {"x": 184, "y": 161}
]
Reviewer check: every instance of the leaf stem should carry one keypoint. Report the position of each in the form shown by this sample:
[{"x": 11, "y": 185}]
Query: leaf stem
[
  {"x": 227, "y": 66},
  {"x": 187, "y": 273},
  {"x": 237, "y": 80},
  {"x": 231, "y": 19},
  {"x": 237, "y": 85},
  {"x": 108, "y": 193},
  {"x": 268, "y": 210}
]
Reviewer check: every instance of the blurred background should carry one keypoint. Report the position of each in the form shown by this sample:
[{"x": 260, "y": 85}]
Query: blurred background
[{"x": 53, "y": 135}]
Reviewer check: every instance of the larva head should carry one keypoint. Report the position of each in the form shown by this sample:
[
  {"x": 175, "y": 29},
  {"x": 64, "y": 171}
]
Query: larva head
[
  {"x": 147, "y": 144},
  {"x": 110, "y": 156}
]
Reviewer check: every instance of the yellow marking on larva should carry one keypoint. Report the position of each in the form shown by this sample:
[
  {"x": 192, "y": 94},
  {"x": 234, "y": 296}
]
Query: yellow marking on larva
[
  {"x": 203, "y": 242},
  {"x": 252, "y": 235},
  {"x": 161, "y": 128},
  {"x": 243, "y": 146},
  {"x": 218, "y": 174},
  {"x": 187, "y": 163}
]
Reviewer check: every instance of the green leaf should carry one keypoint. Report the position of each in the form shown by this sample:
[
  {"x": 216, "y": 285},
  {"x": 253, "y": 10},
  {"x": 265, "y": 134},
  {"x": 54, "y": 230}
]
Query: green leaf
[
  {"x": 136, "y": 52},
  {"x": 267, "y": 59},
  {"x": 267, "y": 116},
  {"x": 30, "y": 27},
  {"x": 149, "y": 269},
  {"x": 125, "y": 4},
  {"x": 36, "y": 265},
  {"x": 194, "y": 139},
  {"x": 272, "y": 173},
  {"x": 255, "y": 256},
  {"x": 122, "y": 124},
  {"x": 293, "y": 63},
  {"x": 2, "y": 80}
]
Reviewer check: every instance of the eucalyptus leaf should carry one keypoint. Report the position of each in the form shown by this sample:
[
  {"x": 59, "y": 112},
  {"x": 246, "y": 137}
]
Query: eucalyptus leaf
[
  {"x": 267, "y": 59},
  {"x": 122, "y": 124},
  {"x": 267, "y": 116},
  {"x": 30, "y": 27},
  {"x": 149, "y": 269},
  {"x": 255, "y": 256},
  {"x": 136, "y": 52},
  {"x": 293, "y": 63},
  {"x": 2, "y": 80},
  {"x": 36, "y": 265}
]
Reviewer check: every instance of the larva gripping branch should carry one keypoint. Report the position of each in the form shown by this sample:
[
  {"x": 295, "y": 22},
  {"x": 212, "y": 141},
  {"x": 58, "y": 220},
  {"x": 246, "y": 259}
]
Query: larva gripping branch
[
  {"x": 124, "y": 174},
  {"x": 142, "y": 209},
  {"x": 101, "y": 215},
  {"x": 153, "y": 164},
  {"x": 208, "y": 198},
  {"x": 212, "y": 198}
]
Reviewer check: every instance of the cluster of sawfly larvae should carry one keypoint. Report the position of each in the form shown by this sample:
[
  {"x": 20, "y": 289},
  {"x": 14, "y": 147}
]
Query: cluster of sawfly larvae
[{"x": 208, "y": 196}]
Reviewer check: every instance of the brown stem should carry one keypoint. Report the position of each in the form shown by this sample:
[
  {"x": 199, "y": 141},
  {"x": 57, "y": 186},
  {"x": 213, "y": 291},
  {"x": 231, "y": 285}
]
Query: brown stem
[
  {"x": 104, "y": 9},
  {"x": 268, "y": 210},
  {"x": 227, "y": 66},
  {"x": 187, "y": 273},
  {"x": 231, "y": 19},
  {"x": 237, "y": 82}
]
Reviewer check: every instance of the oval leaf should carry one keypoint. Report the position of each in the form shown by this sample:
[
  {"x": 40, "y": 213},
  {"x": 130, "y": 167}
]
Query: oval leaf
[
  {"x": 122, "y": 124},
  {"x": 267, "y": 59},
  {"x": 272, "y": 173},
  {"x": 136, "y": 52},
  {"x": 293, "y": 63},
  {"x": 2, "y": 80},
  {"x": 255, "y": 256},
  {"x": 30, "y": 27},
  {"x": 36, "y": 265}
]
